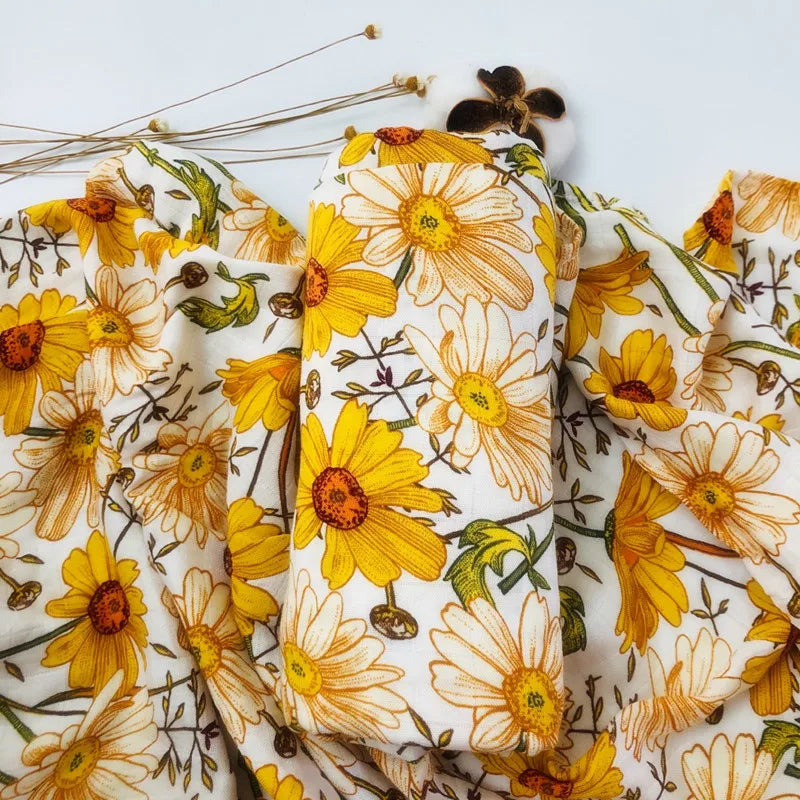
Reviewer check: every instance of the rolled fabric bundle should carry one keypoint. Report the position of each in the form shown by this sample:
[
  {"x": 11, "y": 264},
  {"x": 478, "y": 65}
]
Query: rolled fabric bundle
[{"x": 488, "y": 487}]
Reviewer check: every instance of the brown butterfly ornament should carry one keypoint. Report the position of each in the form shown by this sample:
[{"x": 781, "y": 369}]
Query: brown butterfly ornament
[{"x": 510, "y": 105}]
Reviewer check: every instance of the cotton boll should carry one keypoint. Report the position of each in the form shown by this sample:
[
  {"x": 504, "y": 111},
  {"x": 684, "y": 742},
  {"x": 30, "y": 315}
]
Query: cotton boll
[{"x": 459, "y": 83}]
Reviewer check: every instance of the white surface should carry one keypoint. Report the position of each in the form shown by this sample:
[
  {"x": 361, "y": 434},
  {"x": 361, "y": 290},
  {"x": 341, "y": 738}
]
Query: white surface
[{"x": 665, "y": 96}]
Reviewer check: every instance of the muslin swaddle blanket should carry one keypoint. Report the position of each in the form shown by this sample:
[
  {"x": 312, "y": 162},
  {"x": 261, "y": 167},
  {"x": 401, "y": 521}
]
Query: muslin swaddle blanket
[{"x": 485, "y": 490}]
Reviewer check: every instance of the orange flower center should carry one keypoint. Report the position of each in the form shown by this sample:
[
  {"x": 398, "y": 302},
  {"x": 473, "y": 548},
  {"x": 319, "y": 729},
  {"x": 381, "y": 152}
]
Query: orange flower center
[
  {"x": 430, "y": 223},
  {"x": 227, "y": 561},
  {"x": 710, "y": 495},
  {"x": 481, "y": 399},
  {"x": 82, "y": 438},
  {"x": 196, "y": 466},
  {"x": 108, "y": 328},
  {"x": 301, "y": 672},
  {"x": 718, "y": 220},
  {"x": 398, "y": 136},
  {"x": 338, "y": 498},
  {"x": 76, "y": 763},
  {"x": 20, "y": 347},
  {"x": 636, "y": 391},
  {"x": 534, "y": 702},
  {"x": 109, "y": 609},
  {"x": 206, "y": 647},
  {"x": 544, "y": 785},
  {"x": 278, "y": 227},
  {"x": 316, "y": 283},
  {"x": 98, "y": 209}
]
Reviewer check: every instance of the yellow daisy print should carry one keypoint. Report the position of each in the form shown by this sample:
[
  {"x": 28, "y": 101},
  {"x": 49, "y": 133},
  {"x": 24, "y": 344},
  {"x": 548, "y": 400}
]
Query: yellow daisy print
[
  {"x": 213, "y": 637},
  {"x": 645, "y": 561},
  {"x": 736, "y": 770},
  {"x": 265, "y": 389},
  {"x": 487, "y": 386},
  {"x": 640, "y": 382},
  {"x": 332, "y": 679},
  {"x": 514, "y": 685},
  {"x": 287, "y": 788},
  {"x": 270, "y": 237},
  {"x": 187, "y": 478},
  {"x": 74, "y": 464},
  {"x": 767, "y": 199},
  {"x": 600, "y": 287},
  {"x": 710, "y": 236},
  {"x": 42, "y": 341},
  {"x": 102, "y": 756},
  {"x": 547, "y": 251},
  {"x": 93, "y": 217},
  {"x": 404, "y": 145},
  {"x": 255, "y": 550},
  {"x": 125, "y": 329},
  {"x": 684, "y": 691},
  {"x": 549, "y": 775},
  {"x": 459, "y": 222},
  {"x": 774, "y": 683},
  {"x": 154, "y": 244},
  {"x": 111, "y": 634},
  {"x": 349, "y": 488},
  {"x": 338, "y": 299},
  {"x": 718, "y": 475}
]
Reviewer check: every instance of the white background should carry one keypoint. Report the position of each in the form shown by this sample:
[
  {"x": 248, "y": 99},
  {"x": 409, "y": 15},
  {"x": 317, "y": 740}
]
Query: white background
[{"x": 665, "y": 96}]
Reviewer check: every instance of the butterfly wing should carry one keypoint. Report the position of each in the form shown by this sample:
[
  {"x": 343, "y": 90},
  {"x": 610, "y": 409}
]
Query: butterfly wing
[
  {"x": 473, "y": 116},
  {"x": 502, "y": 81},
  {"x": 544, "y": 102}
]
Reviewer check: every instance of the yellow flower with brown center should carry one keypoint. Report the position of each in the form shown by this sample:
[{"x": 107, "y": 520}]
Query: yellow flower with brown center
[
  {"x": 645, "y": 561},
  {"x": 335, "y": 298},
  {"x": 154, "y": 244},
  {"x": 101, "y": 756},
  {"x": 767, "y": 199},
  {"x": 547, "y": 251},
  {"x": 42, "y": 341},
  {"x": 331, "y": 678},
  {"x": 549, "y": 775},
  {"x": 111, "y": 634},
  {"x": 270, "y": 237},
  {"x": 93, "y": 217},
  {"x": 600, "y": 287},
  {"x": 711, "y": 235},
  {"x": 639, "y": 382},
  {"x": 774, "y": 683},
  {"x": 349, "y": 489},
  {"x": 75, "y": 463},
  {"x": 404, "y": 145},
  {"x": 718, "y": 475},
  {"x": 488, "y": 388},
  {"x": 211, "y": 633},
  {"x": 266, "y": 389},
  {"x": 458, "y": 222},
  {"x": 188, "y": 472},
  {"x": 125, "y": 328},
  {"x": 255, "y": 550},
  {"x": 514, "y": 685},
  {"x": 737, "y": 770},
  {"x": 287, "y": 788}
]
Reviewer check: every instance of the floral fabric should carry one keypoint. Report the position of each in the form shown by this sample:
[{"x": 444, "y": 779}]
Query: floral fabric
[{"x": 485, "y": 490}]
